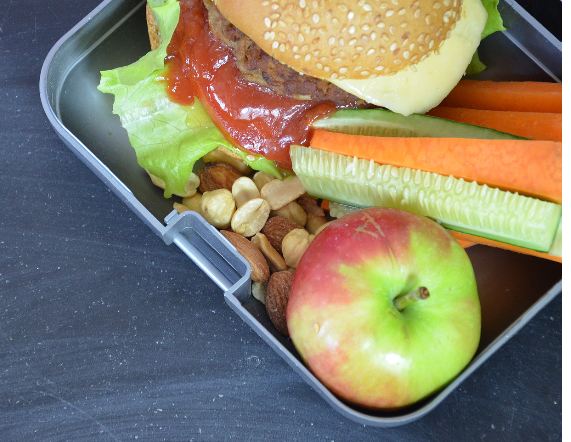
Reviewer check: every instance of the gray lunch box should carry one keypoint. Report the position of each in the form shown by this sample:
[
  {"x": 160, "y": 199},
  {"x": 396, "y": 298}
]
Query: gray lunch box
[{"x": 512, "y": 287}]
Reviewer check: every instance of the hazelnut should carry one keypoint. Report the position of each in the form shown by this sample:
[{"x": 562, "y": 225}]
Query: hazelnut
[{"x": 294, "y": 245}]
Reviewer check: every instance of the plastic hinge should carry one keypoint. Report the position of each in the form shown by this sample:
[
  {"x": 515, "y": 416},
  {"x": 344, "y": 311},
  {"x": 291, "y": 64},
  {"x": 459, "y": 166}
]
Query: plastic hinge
[{"x": 210, "y": 251}]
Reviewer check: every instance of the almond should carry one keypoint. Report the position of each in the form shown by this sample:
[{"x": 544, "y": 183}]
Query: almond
[
  {"x": 277, "y": 296},
  {"x": 214, "y": 176},
  {"x": 276, "y": 228},
  {"x": 310, "y": 205},
  {"x": 259, "y": 265}
]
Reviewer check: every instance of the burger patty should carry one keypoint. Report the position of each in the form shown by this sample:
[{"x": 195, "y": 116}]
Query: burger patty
[{"x": 259, "y": 67}]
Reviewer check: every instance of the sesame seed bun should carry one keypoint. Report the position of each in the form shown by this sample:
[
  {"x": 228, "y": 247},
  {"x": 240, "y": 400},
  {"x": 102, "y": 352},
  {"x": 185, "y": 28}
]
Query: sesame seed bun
[
  {"x": 349, "y": 39},
  {"x": 153, "y": 28}
]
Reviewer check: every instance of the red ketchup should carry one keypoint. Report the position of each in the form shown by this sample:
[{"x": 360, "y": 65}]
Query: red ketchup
[{"x": 249, "y": 115}]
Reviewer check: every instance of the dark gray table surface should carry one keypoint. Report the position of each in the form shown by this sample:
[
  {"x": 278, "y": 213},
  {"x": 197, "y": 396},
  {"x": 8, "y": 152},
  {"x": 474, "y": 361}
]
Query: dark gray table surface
[{"x": 108, "y": 334}]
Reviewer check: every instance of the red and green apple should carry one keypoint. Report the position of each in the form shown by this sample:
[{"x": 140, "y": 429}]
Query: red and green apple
[{"x": 384, "y": 308}]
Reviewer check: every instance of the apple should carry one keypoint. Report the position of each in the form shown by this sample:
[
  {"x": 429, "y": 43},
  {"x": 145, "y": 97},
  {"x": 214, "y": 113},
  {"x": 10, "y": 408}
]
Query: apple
[{"x": 384, "y": 308}]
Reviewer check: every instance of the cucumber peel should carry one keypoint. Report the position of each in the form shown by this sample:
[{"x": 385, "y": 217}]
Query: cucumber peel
[
  {"x": 384, "y": 123},
  {"x": 454, "y": 203}
]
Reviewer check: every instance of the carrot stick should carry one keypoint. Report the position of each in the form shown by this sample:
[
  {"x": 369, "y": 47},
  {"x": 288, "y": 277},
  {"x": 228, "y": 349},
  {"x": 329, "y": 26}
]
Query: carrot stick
[
  {"x": 489, "y": 242},
  {"x": 530, "y": 167},
  {"x": 522, "y": 96},
  {"x": 465, "y": 244},
  {"x": 533, "y": 125}
]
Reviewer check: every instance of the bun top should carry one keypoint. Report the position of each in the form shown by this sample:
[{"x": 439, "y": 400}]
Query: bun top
[{"x": 347, "y": 39}]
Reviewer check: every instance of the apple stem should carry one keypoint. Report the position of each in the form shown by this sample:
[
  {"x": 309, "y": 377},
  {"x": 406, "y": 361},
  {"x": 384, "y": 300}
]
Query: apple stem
[{"x": 402, "y": 301}]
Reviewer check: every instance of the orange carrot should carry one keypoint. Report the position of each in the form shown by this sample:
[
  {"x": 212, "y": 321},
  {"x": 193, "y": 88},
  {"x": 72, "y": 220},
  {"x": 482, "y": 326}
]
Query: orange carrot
[
  {"x": 325, "y": 205},
  {"x": 489, "y": 242},
  {"x": 521, "y": 96},
  {"x": 533, "y": 125},
  {"x": 465, "y": 244},
  {"x": 530, "y": 167}
]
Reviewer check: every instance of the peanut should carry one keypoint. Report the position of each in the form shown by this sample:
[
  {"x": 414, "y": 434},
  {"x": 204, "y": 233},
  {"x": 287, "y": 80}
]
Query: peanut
[
  {"x": 243, "y": 190},
  {"x": 262, "y": 178},
  {"x": 275, "y": 260},
  {"x": 292, "y": 211},
  {"x": 250, "y": 217},
  {"x": 281, "y": 192},
  {"x": 189, "y": 187},
  {"x": 218, "y": 207},
  {"x": 193, "y": 202},
  {"x": 223, "y": 155}
]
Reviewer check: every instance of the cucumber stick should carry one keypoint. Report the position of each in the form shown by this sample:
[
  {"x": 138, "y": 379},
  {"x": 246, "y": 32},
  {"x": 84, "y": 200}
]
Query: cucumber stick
[
  {"x": 384, "y": 123},
  {"x": 456, "y": 204}
]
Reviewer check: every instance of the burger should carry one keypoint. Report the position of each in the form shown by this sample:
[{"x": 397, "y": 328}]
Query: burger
[{"x": 251, "y": 76}]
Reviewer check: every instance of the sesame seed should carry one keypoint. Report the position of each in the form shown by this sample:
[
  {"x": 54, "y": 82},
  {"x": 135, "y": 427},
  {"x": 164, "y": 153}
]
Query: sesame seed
[{"x": 267, "y": 22}]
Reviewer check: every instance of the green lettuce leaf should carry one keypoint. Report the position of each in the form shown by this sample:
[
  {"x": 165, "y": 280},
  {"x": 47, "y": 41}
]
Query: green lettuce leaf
[
  {"x": 493, "y": 24},
  {"x": 168, "y": 138}
]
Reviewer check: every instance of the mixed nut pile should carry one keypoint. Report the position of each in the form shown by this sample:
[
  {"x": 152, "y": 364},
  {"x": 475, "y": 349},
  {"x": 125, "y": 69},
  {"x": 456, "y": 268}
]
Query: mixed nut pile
[{"x": 271, "y": 222}]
